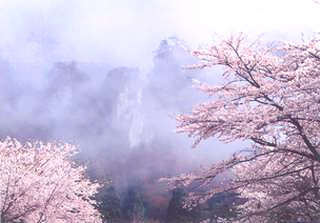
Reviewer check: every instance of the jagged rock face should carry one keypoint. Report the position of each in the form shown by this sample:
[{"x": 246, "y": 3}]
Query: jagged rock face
[
  {"x": 168, "y": 81},
  {"x": 65, "y": 76},
  {"x": 123, "y": 92}
]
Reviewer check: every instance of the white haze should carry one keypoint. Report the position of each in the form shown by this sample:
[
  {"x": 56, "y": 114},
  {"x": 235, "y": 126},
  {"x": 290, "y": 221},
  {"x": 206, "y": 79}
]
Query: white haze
[
  {"x": 127, "y": 31},
  {"x": 101, "y": 35}
]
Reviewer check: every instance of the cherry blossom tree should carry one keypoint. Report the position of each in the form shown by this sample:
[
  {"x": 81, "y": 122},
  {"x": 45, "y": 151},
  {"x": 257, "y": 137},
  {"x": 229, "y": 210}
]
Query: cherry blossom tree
[
  {"x": 270, "y": 97},
  {"x": 39, "y": 183}
]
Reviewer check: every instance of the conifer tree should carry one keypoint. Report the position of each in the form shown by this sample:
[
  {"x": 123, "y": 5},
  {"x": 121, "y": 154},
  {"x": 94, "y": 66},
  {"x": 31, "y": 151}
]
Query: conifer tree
[
  {"x": 133, "y": 206},
  {"x": 109, "y": 205},
  {"x": 176, "y": 212}
]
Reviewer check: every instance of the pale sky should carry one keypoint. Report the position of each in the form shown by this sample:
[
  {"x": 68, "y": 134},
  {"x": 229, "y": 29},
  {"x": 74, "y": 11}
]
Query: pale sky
[{"x": 126, "y": 32}]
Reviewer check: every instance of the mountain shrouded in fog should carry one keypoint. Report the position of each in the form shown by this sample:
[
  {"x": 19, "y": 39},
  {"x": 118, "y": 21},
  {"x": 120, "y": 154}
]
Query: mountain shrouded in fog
[
  {"x": 120, "y": 118},
  {"x": 96, "y": 74}
]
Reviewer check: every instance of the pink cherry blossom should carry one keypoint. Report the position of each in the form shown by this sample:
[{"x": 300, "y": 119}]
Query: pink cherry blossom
[
  {"x": 40, "y": 183},
  {"x": 271, "y": 98}
]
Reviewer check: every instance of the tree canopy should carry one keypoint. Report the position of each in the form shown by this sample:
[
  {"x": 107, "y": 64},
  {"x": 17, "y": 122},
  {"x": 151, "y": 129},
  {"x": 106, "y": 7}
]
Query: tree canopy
[
  {"x": 39, "y": 183},
  {"x": 271, "y": 98}
]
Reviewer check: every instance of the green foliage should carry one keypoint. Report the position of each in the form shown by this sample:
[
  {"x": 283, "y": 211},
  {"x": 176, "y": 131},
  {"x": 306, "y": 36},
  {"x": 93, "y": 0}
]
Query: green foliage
[
  {"x": 224, "y": 205},
  {"x": 110, "y": 205},
  {"x": 133, "y": 207},
  {"x": 176, "y": 213}
]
